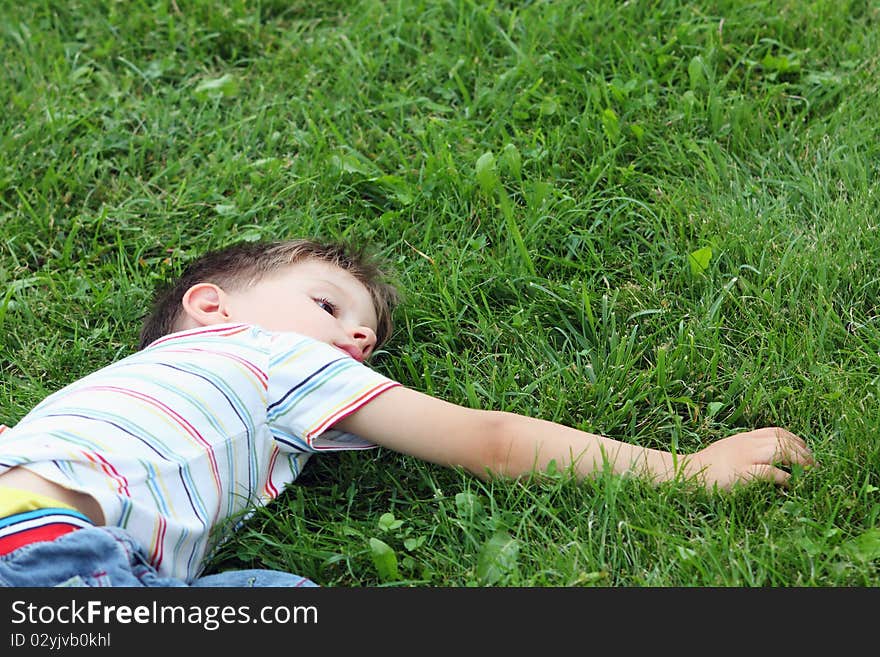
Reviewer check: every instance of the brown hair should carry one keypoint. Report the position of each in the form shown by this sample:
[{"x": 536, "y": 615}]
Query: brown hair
[{"x": 242, "y": 265}]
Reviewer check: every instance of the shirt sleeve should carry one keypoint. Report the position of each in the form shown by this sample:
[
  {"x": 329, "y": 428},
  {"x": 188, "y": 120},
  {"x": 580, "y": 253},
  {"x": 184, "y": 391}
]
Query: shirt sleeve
[{"x": 312, "y": 386}]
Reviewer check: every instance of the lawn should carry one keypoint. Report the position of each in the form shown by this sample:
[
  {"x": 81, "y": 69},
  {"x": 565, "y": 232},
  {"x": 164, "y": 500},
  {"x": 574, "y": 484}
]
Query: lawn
[{"x": 657, "y": 221}]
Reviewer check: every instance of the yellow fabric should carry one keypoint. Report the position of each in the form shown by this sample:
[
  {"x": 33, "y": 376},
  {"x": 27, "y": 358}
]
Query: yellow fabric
[{"x": 15, "y": 500}]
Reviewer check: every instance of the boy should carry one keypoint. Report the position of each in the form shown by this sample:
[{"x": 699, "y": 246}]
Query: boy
[{"x": 251, "y": 362}]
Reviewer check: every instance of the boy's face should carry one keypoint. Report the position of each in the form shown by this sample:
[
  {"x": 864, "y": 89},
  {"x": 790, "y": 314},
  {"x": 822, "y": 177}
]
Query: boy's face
[{"x": 313, "y": 298}]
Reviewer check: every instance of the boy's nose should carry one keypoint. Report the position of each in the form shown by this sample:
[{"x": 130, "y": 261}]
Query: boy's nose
[{"x": 365, "y": 338}]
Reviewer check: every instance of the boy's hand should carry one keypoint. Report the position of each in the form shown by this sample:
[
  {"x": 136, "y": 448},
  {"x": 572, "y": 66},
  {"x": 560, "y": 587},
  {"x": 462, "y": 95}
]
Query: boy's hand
[{"x": 748, "y": 456}]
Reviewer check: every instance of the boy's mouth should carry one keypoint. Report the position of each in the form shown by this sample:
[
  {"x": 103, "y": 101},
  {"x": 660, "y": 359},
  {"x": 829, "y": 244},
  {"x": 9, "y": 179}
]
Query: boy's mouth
[{"x": 352, "y": 350}]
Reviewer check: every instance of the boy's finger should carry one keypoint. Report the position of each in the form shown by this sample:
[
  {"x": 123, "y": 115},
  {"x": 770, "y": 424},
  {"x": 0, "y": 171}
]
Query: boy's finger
[
  {"x": 784, "y": 435},
  {"x": 766, "y": 472},
  {"x": 791, "y": 449},
  {"x": 796, "y": 454}
]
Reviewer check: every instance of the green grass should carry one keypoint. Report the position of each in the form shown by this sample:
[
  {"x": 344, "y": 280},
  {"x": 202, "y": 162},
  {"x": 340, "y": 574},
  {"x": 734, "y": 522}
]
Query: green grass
[{"x": 538, "y": 174}]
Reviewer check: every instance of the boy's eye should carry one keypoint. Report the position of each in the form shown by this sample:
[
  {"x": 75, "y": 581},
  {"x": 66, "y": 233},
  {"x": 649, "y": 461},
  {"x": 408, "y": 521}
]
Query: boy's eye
[{"x": 325, "y": 305}]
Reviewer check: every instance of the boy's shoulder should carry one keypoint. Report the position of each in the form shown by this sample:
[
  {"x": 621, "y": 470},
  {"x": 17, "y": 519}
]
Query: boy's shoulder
[{"x": 246, "y": 341}]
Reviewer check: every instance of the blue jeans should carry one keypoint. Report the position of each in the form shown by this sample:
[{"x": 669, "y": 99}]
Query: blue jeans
[{"x": 108, "y": 556}]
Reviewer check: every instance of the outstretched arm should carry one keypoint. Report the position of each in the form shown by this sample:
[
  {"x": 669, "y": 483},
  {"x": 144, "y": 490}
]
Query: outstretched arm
[{"x": 496, "y": 443}]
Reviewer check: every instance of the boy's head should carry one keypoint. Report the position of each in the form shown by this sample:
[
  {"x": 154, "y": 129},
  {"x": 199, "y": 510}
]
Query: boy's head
[{"x": 328, "y": 291}]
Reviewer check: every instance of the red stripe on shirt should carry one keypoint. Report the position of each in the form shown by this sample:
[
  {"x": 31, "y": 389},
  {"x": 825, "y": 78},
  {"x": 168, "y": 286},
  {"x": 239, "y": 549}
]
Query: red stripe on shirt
[
  {"x": 109, "y": 470},
  {"x": 270, "y": 487},
  {"x": 349, "y": 409},
  {"x": 158, "y": 552},
  {"x": 226, "y": 330}
]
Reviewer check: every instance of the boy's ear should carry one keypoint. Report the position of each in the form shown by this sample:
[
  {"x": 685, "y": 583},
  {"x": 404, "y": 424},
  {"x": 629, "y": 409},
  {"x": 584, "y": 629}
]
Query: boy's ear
[{"x": 204, "y": 304}]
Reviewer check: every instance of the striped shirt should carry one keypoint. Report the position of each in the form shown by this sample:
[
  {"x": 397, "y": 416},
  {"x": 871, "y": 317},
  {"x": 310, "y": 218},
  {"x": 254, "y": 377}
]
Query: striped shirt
[{"x": 197, "y": 427}]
